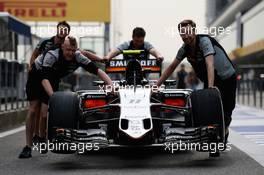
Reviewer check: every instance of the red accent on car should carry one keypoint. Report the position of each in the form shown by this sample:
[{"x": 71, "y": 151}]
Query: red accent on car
[
  {"x": 92, "y": 103},
  {"x": 175, "y": 102}
]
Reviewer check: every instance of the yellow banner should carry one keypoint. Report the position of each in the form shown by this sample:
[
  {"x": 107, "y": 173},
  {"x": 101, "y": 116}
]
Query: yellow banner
[
  {"x": 247, "y": 50},
  {"x": 58, "y": 10}
]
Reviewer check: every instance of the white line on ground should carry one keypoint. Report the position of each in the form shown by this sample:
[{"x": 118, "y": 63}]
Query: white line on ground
[
  {"x": 249, "y": 122},
  {"x": 251, "y": 133},
  {"x": 252, "y": 149},
  {"x": 259, "y": 141},
  {"x": 251, "y": 110},
  {"x": 255, "y": 136},
  {"x": 13, "y": 131}
]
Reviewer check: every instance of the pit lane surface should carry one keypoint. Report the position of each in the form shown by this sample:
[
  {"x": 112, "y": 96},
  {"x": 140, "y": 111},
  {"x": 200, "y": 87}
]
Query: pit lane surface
[{"x": 115, "y": 161}]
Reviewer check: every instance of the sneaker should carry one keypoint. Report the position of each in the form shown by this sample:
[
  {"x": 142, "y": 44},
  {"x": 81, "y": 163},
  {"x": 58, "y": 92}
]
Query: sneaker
[
  {"x": 226, "y": 138},
  {"x": 26, "y": 153},
  {"x": 35, "y": 139},
  {"x": 43, "y": 147}
]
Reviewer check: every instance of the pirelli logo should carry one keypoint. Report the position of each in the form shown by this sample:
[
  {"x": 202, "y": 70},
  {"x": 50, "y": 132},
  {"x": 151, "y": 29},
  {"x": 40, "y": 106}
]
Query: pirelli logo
[{"x": 35, "y": 9}]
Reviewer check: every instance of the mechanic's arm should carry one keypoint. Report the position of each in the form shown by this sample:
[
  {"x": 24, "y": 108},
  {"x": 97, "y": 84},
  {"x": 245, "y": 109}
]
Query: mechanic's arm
[
  {"x": 103, "y": 76},
  {"x": 208, "y": 51},
  {"x": 168, "y": 71},
  {"x": 47, "y": 72},
  {"x": 47, "y": 86},
  {"x": 112, "y": 54},
  {"x": 92, "y": 68},
  {"x": 210, "y": 70},
  {"x": 37, "y": 51},
  {"x": 34, "y": 55},
  {"x": 156, "y": 54},
  {"x": 91, "y": 55}
]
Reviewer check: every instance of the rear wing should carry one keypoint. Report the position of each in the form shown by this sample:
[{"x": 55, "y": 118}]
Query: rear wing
[{"x": 119, "y": 65}]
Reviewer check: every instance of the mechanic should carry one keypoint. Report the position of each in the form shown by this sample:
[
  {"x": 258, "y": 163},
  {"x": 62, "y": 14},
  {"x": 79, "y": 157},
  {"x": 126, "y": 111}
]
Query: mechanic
[
  {"x": 137, "y": 43},
  {"x": 33, "y": 120},
  {"x": 211, "y": 64},
  {"x": 49, "y": 68}
]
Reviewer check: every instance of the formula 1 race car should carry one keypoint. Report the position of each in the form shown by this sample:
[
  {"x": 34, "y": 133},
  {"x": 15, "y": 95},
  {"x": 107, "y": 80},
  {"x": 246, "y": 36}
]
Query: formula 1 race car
[{"x": 137, "y": 115}]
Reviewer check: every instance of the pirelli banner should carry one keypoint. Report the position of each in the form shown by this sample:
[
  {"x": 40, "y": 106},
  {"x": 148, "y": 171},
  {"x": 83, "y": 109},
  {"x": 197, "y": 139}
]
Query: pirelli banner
[{"x": 58, "y": 10}]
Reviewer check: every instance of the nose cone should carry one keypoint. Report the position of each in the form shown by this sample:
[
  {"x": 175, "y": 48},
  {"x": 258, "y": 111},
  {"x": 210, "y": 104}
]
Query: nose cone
[
  {"x": 136, "y": 128},
  {"x": 135, "y": 118}
]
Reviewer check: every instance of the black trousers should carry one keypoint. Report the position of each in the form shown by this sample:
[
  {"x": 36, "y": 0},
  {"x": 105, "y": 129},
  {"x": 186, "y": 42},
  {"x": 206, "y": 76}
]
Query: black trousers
[
  {"x": 227, "y": 89},
  {"x": 34, "y": 88}
]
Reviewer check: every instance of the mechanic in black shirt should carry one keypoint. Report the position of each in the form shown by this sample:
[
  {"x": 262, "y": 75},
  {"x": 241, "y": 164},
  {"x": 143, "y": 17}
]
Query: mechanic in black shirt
[
  {"x": 137, "y": 43},
  {"x": 45, "y": 44},
  {"x": 63, "y": 29},
  {"x": 210, "y": 63},
  {"x": 49, "y": 68},
  {"x": 33, "y": 120}
]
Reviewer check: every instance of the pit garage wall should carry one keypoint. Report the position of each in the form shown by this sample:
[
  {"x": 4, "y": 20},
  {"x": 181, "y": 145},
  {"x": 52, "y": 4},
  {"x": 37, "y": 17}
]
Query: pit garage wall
[{"x": 252, "y": 24}]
